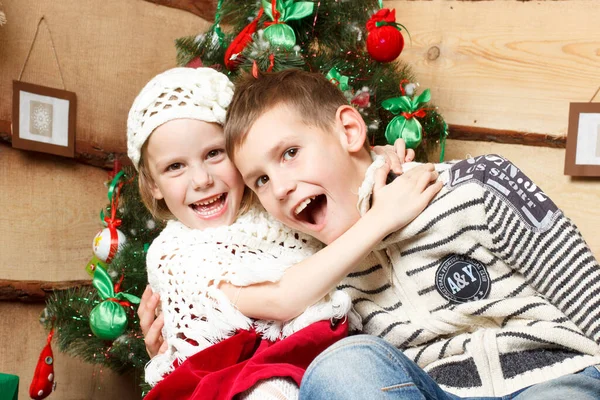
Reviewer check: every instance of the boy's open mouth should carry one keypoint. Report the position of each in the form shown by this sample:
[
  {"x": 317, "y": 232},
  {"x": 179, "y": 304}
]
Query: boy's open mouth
[
  {"x": 211, "y": 206},
  {"x": 312, "y": 210}
]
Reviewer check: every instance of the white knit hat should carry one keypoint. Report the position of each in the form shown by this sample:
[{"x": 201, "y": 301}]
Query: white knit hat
[{"x": 196, "y": 93}]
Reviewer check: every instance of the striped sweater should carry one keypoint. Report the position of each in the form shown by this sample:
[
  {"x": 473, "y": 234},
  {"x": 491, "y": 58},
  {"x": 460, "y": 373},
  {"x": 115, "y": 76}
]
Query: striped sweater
[{"x": 490, "y": 289}]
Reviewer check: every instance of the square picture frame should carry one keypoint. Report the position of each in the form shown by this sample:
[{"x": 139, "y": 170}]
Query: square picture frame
[
  {"x": 582, "y": 156},
  {"x": 43, "y": 119}
]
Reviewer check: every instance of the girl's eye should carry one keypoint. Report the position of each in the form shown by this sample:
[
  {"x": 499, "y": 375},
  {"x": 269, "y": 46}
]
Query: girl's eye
[
  {"x": 290, "y": 153},
  {"x": 214, "y": 153},
  {"x": 174, "y": 166},
  {"x": 262, "y": 181}
]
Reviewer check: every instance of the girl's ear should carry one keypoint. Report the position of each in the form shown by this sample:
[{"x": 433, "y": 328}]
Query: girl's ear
[
  {"x": 147, "y": 184},
  {"x": 155, "y": 190},
  {"x": 353, "y": 129}
]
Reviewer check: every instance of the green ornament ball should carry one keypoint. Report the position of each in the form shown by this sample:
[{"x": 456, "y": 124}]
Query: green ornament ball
[
  {"x": 280, "y": 35},
  {"x": 108, "y": 320}
]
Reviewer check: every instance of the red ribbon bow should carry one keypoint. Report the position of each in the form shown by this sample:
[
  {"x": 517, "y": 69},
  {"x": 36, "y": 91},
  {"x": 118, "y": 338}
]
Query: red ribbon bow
[
  {"x": 419, "y": 114},
  {"x": 383, "y": 15}
]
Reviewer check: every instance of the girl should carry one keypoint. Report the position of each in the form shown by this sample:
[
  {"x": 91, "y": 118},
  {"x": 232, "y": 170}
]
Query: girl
[{"x": 222, "y": 265}]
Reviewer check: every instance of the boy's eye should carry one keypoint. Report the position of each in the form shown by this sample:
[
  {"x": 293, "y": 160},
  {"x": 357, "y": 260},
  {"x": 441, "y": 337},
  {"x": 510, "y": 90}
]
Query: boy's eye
[
  {"x": 290, "y": 153},
  {"x": 262, "y": 180},
  {"x": 174, "y": 166},
  {"x": 214, "y": 153}
]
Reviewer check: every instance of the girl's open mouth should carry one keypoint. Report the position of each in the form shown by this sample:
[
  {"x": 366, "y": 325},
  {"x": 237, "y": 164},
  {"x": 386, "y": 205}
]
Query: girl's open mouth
[{"x": 210, "y": 207}]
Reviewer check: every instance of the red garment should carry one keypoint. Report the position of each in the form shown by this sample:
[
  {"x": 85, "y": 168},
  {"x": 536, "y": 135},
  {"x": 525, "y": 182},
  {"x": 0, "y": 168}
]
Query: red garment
[{"x": 234, "y": 365}]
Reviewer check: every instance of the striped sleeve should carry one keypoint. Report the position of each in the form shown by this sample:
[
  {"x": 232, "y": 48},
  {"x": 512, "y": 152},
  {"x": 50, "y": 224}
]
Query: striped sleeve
[{"x": 530, "y": 234}]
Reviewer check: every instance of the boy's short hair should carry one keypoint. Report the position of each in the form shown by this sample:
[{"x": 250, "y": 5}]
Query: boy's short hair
[{"x": 314, "y": 98}]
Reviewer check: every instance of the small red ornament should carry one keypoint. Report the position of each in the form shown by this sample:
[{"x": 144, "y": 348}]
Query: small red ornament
[
  {"x": 195, "y": 63},
  {"x": 384, "y": 40},
  {"x": 43, "y": 383},
  {"x": 361, "y": 100}
]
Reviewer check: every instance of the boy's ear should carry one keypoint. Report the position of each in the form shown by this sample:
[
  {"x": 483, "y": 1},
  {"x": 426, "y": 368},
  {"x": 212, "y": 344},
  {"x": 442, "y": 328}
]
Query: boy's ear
[{"x": 353, "y": 129}]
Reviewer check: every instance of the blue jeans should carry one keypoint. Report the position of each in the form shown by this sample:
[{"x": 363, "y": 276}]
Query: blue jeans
[{"x": 368, "y": 368}]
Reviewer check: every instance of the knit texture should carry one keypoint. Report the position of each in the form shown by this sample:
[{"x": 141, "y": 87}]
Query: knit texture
[
  {"x": 534, "y": 312},
  {"x": 272, "y": 389},
  {"x": 202, "y": 94},
  {"x": 185, "y": 266}
]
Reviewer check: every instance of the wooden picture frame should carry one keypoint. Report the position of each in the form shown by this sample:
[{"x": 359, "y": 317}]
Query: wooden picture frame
[
  {"x": 43, "y": 119},
  {"x": 582, "y": 157}
]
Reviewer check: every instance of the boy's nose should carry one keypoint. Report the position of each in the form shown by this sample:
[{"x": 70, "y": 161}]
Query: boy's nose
[
  {"x": 201, "y": 179},
  {"x": 283, "y": 187}
]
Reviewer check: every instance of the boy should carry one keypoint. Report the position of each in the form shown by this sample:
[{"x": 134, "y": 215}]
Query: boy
[{"x": 490, "y": 290}]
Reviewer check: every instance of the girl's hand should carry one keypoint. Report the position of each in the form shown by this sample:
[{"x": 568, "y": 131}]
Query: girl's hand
[
  {"x": 150, "y": 324},
  {"x": 401, "y": 201},
  {"x": 395, "y": 155}
]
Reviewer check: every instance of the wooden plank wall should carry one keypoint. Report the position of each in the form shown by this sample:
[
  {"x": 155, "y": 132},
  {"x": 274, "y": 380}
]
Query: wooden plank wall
[
  {"x": 499, "y": 64},
  {"x": 504, "y": 64}
]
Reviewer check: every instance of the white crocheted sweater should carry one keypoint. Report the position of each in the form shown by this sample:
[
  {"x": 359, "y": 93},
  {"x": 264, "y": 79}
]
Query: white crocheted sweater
[{"x": 185, "y": 266}]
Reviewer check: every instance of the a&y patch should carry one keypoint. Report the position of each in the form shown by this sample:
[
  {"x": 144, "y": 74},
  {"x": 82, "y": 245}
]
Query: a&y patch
[{"x": 461, "y": 279}]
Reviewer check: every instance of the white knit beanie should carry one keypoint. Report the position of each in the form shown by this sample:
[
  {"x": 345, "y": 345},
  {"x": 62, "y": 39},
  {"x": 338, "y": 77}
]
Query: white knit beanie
[{"x": 196, "y": 93}]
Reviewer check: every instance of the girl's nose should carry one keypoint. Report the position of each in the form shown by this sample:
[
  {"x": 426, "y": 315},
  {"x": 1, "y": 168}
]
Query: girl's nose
[{"x": 201, "y": 179}]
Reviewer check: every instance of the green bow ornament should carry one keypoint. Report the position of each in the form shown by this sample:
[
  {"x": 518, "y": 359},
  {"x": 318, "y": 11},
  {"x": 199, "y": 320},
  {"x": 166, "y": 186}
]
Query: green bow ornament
[
  {"x": 108, "y": 319},
  {"x": 278, "y": 33},
  {"x": 338, "y": 79},
  {"x": 405, "y": 125}
]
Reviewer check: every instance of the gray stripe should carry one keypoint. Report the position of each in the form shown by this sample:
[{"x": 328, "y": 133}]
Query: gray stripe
[
  {"x": 527, "y": 336},
  {"x": 486, "y": 307},
  {"x": 518, "y": 290},
  {"x": 510, "y": 236},
  {"x": 365, "y": 272},
  {"x": 521, "y": 311},
  {"x": 392, "y": 326},
  {"x": 517, "y": 363},
  {"x": 444, "y": 241},
  {"x": 502, "y": 277},
  {"x": 365, "y": 291},
  {"x": 450, "y": 212},
  {"x": 563, "y": 265},
  {"x": 459, "y": 374},
  {"x": 541, "y": 243},
  {"x": 569, "y": 280}
]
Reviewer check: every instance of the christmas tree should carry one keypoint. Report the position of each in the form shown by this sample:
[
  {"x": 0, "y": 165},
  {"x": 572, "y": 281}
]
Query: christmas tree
[{"x": 352, "y": 42}]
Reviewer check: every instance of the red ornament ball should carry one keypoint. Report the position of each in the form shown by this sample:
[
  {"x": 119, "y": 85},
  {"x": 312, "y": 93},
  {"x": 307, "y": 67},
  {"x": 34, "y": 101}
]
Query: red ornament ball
[
  {"x": 385, "y": 43},
  {"x": 384, "y": 40}
]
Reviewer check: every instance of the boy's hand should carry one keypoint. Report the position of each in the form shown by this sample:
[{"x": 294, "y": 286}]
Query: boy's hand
[
  {"x": 150, "y": 324},
  {"x": 401, "y": 201},
  {"x": 395, "y": 155}
]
